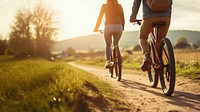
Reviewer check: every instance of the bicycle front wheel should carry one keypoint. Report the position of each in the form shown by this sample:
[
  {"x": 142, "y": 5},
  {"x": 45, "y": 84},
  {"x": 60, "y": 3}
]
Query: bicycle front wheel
[
  {"x": 168, "y": 74},
  {"x": 153, "y": 72}
]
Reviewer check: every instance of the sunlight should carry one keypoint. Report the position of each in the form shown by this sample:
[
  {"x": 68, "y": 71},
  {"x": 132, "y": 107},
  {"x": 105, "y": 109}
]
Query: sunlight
[{"x": 78, "y": 17}]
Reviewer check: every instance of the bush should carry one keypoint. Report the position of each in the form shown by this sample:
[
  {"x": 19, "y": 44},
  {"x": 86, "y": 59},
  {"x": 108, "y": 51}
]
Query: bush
[
  {"x": 137, "y": 48},
  {"x": 21, "y": 54},
  {"x": 9, "y": 51},
  {"x": 182, "y": 43},
  {"x": 70, "y": 51}
]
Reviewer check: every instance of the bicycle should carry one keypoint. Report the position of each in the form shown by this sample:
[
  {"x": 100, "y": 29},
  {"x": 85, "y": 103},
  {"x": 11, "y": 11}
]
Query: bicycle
[
  {"x": 116, "y": 58},
  {"x": 162, "y": 61}
]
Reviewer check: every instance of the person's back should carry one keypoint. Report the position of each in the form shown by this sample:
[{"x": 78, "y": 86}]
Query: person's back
[
  {"x": 113, "y": 14},
  {"x": 148, "y": 13},
  {"x": 149, "y": 16}
]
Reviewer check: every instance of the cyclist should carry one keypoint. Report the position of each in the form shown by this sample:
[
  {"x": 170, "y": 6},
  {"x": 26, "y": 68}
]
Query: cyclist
[
  {"x": 114, "y": 25},
  {"x": 149, "y": 17}
]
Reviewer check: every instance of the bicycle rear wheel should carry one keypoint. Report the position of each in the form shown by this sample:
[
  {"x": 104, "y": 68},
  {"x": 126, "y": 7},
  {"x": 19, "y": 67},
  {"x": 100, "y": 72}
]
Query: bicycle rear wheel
[
  {"x": 111, "y": 71},
  {"x": 118, "y": 70},
  {"x": 111, "y": 68},
  {"x": 117, "y": 64},
  {"x": 168, "y": 74},
  {"x": 153, "y": 72}
]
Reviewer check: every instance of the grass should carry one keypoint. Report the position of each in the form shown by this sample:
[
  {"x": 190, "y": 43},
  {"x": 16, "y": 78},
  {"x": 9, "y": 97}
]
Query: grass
[
  {"x": 38, "y": 85},
  {"x": 129, "y": 61},
  {"x": 187, "y": 62}
]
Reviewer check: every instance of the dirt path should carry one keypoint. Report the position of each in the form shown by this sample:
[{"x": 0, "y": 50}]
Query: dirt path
[{"x": 139, "y": 94}]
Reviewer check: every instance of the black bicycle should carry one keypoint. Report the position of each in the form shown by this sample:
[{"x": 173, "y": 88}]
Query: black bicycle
[
  {"x": 116, "y": 58},
  {"x": 163, "y": 62}
]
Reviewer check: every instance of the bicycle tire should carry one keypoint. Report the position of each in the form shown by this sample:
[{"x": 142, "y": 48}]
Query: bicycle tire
[
  {"x": 118, "y": 70},
  {"x": 111, "y": 71},
  {"x": 117, "y": 64},
  {"x": 168, "y": 70},
  {"x": 153, "y": 72},
  {"x": 112, "y": 59}
]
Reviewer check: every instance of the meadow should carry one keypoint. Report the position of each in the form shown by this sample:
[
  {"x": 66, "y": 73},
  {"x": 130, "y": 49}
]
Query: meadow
[
  {"x": 187, "y": 62},
  {"x": 39, "y": 85}
]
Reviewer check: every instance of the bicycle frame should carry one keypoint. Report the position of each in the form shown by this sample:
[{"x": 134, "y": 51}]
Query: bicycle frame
[
  {"x": 116, "y": 58},
  {"x": 163, "y": 63},
  {"x": 154, "y": 36}
]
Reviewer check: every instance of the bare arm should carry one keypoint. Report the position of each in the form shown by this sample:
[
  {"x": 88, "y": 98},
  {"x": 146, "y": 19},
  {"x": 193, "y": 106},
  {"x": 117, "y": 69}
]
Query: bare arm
[
  {"x": 122, "y": 17},
  {"x": 99, "y": 18},
  {"x": 135, "y": 9}
]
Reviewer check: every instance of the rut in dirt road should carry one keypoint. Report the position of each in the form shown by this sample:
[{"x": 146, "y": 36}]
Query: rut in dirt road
[{"x": 136, "y": 89}]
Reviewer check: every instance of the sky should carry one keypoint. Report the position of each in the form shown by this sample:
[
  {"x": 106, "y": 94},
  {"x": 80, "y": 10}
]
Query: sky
[{"x": 78, "y": 17}]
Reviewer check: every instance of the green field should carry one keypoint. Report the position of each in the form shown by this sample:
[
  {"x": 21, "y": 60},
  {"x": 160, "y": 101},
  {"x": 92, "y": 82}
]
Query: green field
[{"x": 38, "y": 85}]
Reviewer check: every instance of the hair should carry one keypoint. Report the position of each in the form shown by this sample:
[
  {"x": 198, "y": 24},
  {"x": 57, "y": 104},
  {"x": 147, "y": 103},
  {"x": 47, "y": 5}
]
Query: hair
[{"x": 112, "y": 1}]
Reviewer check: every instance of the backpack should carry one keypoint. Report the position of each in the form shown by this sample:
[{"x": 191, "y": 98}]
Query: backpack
[{"x": 159, "y": 5}]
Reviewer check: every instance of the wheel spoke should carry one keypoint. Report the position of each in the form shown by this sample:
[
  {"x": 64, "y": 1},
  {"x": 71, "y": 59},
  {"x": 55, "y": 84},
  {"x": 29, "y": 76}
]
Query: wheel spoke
[{"x": 153, "y": 72}]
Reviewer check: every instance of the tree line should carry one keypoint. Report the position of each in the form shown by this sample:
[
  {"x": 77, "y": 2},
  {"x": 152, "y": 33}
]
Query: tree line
[
  {"x": 181, "y": 43},
  {"x": 32, "y": 33}
]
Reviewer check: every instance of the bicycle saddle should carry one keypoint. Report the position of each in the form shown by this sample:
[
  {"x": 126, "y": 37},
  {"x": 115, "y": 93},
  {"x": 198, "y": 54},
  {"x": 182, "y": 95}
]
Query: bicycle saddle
[{"x": 158, "y": 24}]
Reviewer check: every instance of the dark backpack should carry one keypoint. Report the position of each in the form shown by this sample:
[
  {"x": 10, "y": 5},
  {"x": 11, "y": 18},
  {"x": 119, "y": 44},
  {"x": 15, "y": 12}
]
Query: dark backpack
[{"x": 159, "y": 5}]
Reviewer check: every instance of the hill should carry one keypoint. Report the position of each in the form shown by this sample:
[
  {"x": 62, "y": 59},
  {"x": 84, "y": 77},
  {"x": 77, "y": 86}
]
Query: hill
[{"x": 128, "y": 39}]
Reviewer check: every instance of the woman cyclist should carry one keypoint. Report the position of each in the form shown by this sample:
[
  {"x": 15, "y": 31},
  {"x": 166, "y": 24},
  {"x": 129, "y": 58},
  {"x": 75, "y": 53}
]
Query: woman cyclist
[{"x": 114, "y": 25}]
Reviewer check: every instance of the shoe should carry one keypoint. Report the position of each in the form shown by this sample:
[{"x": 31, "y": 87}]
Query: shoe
[
  {"x": 109, "y": 64},
  {"x": 146, "y": 63}
]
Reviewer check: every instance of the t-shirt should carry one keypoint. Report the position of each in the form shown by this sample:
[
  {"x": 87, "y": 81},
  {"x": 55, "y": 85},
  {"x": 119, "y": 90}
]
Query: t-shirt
[{"x": 113, "y": 14}]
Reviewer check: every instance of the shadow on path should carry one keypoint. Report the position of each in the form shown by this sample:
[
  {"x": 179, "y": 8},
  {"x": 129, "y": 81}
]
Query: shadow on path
[{"x": 179, "y": 98}]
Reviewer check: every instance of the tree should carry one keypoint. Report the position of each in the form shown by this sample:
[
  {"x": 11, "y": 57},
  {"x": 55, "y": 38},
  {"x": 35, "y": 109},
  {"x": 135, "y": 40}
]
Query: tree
[
  {"x": 21, "y": 40},
  {"x": 36, "y": 41},
  {"x": 44, "y": 26},
  {"x": 3, "y": 45},
  {"x": 70, "y": 51},
  {"x": 182, "y": 43}
]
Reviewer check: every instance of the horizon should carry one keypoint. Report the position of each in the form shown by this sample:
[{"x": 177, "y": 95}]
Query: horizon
[
  {"x": 82, "y": 36},
  {"x": 184, "y": 16}
]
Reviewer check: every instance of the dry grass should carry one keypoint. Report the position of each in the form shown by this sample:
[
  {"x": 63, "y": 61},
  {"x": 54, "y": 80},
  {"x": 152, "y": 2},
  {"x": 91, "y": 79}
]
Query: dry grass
[{"x": 187, "y": 56}]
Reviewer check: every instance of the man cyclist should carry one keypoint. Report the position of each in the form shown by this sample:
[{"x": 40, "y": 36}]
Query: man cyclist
[{"x": 149, "y": 16}]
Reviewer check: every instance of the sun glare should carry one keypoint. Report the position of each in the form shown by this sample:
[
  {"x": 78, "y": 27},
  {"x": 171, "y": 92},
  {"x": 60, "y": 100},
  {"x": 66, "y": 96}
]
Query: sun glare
[{"x": 76, "y": 17}]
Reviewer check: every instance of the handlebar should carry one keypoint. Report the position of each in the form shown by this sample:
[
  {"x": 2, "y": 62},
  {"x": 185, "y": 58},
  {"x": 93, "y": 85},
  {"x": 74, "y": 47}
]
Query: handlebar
[
  {"x": 138, "y": 21},
  {"x": 100, "y": 31}
]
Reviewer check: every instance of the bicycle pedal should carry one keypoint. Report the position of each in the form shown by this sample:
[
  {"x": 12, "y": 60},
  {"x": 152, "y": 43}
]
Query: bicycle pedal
[{"x": 156, "y": 65}]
